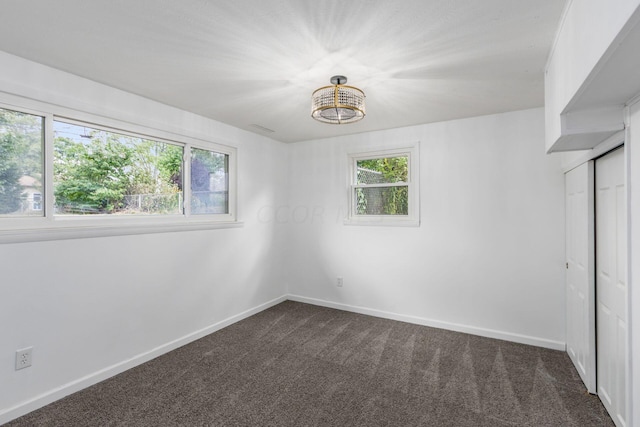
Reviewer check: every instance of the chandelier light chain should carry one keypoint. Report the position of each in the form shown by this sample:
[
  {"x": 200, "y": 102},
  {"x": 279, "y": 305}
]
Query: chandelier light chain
[{"x": 338, "y": 104}]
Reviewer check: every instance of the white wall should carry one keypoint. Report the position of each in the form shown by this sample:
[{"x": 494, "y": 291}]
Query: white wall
[
  {"x": 586, "y": 32},
  {"x": 88, "y": 306},
  {"x": 632, "y": 150},
  {"x": 584, "y": 41},
  {"x": 489, "y": 255}
]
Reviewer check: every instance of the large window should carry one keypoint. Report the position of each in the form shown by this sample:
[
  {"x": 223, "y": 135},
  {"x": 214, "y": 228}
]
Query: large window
[
  {"x": 59, "y": 173},
  {"x": 384, "y": 187}
]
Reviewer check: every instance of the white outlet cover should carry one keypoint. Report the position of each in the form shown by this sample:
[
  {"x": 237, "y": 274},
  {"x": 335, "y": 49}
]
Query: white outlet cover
[{"x": 23, "y": 358}]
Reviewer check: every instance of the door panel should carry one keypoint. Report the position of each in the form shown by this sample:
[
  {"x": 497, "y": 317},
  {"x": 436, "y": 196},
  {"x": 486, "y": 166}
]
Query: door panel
[
  {"x": 611, "y": 284},
  {"x": 579, "y": 279}
]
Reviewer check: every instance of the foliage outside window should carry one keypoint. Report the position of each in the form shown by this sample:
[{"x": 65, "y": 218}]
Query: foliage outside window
[
  {"x": 103, "y": 172},
  {"x": 374, "y": 199},
  {"x": 21, "y": 142},
  {"x": 384, "y": 187},
  {"x": 51, "y": 184}
]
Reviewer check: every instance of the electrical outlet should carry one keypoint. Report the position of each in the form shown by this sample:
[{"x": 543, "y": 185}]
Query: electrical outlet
[
  {"x": 23, "y": 358},
  {"x": 339, "y": 282}
]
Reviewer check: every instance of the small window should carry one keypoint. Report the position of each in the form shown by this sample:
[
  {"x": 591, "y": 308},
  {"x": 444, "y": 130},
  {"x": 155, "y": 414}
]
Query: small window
[
  {"x": 21, "y": 142},
  {"x": 384, "y": 187},
  {"x": 209, "y": 182}
]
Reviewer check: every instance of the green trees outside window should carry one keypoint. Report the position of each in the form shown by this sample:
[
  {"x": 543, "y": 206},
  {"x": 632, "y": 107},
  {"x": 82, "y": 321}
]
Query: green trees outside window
[
  {"x": 376, "y": 193},
  {"x": 21, "y": 142},
  {"x": 95, "y": 170},
  {"x": 102, "y": 172}
]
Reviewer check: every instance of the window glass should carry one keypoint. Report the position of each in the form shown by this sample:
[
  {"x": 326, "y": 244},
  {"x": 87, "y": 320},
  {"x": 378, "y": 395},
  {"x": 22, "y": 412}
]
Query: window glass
[
  {"x": 21, "y": 142},
  {"x": 382, "y": 170},
  {"x": 36, "y": 202},
  {"x": 209, "y": 182},
  {"x": 382, "y": 201},
  {"x": 103, "y": 172},
  {"x": 373, "y": 194}
]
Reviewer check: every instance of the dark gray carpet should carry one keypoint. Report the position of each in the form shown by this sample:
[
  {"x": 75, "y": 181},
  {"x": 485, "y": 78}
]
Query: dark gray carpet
[{"x": 302, "y": 365}]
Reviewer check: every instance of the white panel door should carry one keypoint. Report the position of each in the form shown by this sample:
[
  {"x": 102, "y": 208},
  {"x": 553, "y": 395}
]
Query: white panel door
[
  {"x": 611, "y": 284},
  {"x": 580, "y": 275}
]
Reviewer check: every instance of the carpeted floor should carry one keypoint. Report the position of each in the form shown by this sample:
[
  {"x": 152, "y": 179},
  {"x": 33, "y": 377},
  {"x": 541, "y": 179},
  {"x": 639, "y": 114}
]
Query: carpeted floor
[{"x": 302, "y": 365}]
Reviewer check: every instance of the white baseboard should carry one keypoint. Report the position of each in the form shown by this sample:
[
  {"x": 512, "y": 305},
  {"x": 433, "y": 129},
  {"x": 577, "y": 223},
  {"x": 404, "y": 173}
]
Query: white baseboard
[
  {"x": 89, "y": 380},
  {"x": 473, "y": 330},
  {"x": 94, "y": 378}
]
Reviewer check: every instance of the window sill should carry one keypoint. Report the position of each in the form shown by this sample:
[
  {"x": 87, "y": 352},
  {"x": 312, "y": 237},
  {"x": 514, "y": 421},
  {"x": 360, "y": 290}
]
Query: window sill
[
  {"x": 80, "y": 229},
  {"x": 384, "y": 221}
]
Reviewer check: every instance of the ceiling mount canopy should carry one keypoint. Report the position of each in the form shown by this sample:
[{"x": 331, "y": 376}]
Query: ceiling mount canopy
[{"x": 338, "y": 104}]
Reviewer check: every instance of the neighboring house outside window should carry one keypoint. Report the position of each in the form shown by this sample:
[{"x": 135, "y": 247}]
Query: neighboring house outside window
[
  {"x": 31, "y": 196},
  {"x": 36, "y": 202}
]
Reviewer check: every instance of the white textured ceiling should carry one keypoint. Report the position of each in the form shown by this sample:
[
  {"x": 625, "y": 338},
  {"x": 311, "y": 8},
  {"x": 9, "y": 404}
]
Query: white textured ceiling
[{"x": 256, "y": 62}]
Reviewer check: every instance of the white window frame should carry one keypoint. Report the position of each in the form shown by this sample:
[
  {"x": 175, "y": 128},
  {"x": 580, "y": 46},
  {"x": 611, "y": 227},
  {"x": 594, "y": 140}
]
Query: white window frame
[
  {"x": 52, "y": 227},
  {"x": 413, "y": 184}
]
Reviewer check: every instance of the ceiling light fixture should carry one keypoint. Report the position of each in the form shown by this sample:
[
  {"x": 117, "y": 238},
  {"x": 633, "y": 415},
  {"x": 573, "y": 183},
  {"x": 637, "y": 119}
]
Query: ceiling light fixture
[{"x": 338, "y": 104}]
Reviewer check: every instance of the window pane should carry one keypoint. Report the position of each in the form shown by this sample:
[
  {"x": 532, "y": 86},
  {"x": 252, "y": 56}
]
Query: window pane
[
  {"x": 384, "y": 170},
  {"x": 102, "y": 172},
  {"x": 21, "y": 141},
  {"x": 382, "y": 200},
  {"x": 209, "y": 182}
]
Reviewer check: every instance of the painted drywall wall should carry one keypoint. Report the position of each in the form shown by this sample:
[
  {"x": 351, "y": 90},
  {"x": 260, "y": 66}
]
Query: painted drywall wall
[
  {"x": 90, "y": 307},
  {"x": 585, "y": 38},
  {"x": 488, "y": 257},
  {"x": 632, "y": 151}
]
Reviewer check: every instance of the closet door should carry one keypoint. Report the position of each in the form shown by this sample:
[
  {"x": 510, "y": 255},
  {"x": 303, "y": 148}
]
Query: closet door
[
  {"x": 611, "y": 284},
  {"x": 580, "y": 272}
]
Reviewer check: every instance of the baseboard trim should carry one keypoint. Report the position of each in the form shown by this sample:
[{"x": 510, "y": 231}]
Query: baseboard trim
[
  {"x": 94, "y": 378},
  {"x": 89, "y": 380},
  {"x": 473, "y": 330}
]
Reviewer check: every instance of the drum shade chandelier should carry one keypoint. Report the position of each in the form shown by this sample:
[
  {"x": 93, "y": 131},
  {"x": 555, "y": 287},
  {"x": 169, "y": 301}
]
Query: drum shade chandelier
[{"x": 338, "y": 104}]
